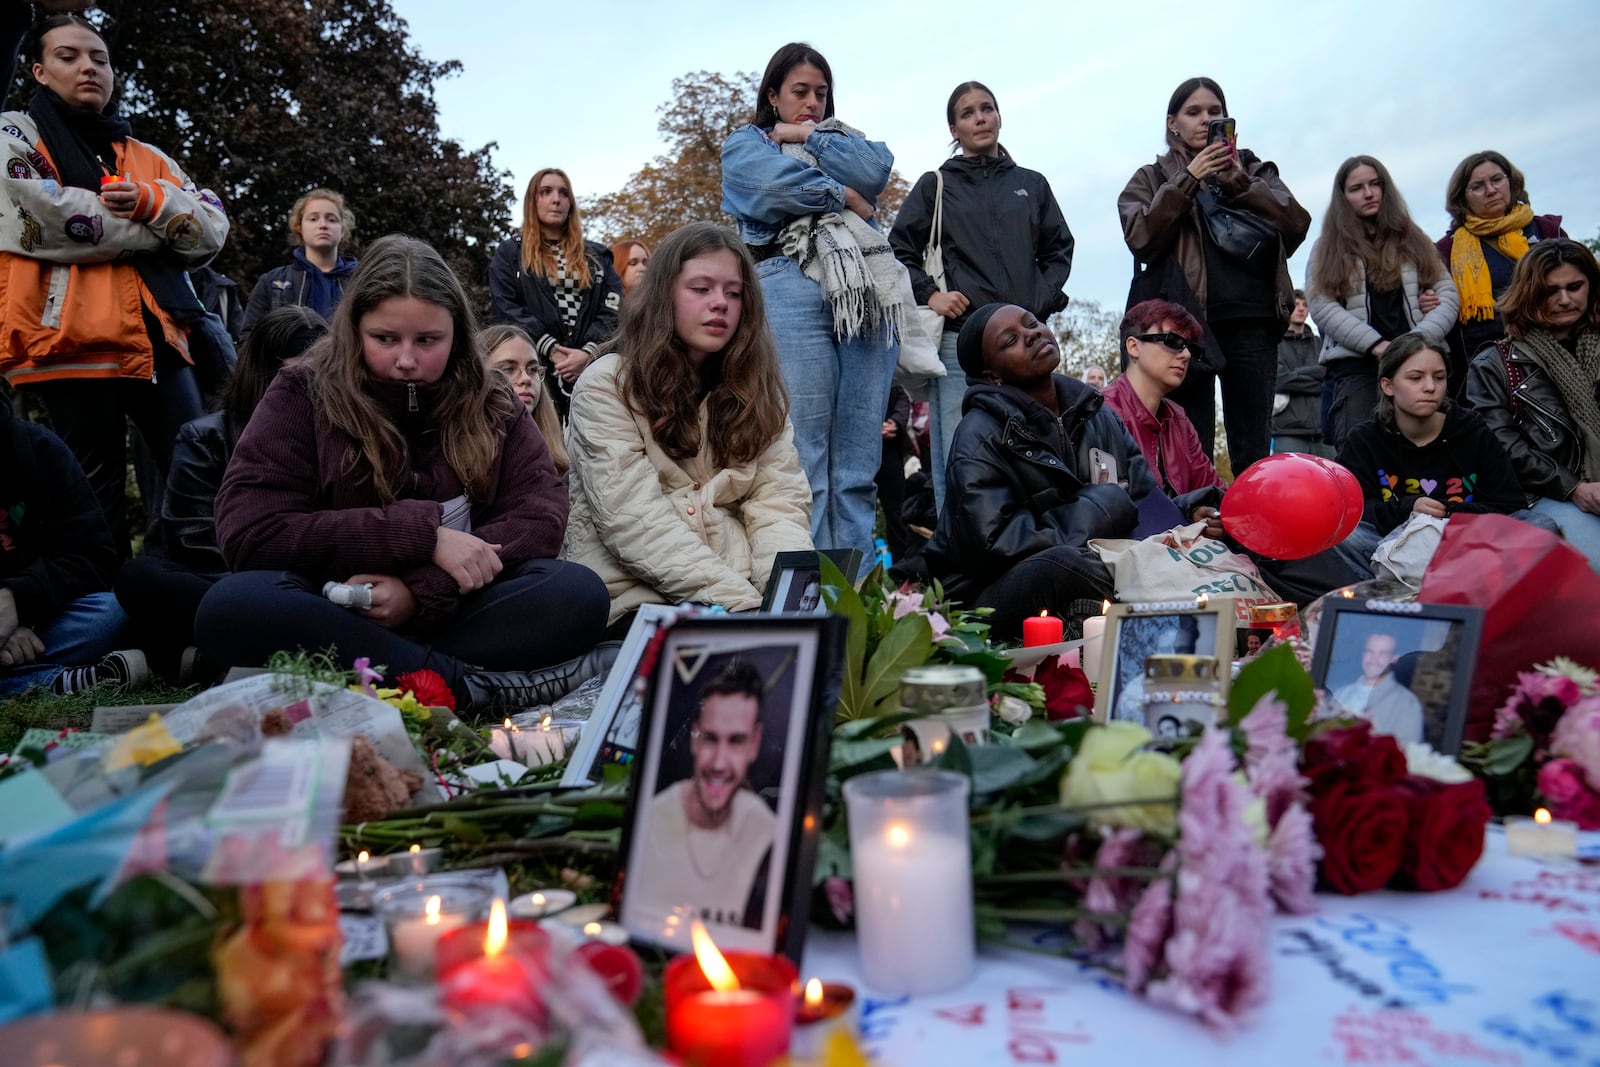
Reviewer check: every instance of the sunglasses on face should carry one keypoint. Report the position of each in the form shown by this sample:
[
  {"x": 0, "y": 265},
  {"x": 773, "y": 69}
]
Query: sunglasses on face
[{"x": 1171, "y": 341}]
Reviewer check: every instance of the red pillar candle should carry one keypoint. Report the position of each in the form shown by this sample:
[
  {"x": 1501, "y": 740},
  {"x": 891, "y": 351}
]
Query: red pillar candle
[
  {"x": 1041, "y": 629},
  {"x": 741, "y": 1017}
]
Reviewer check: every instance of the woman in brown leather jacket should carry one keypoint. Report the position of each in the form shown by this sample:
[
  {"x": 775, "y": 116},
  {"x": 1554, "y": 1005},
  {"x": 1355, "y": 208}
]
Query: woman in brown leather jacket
[
  {"x": 1244, "y": 306},
  {"x": 1539, "y": 388}
]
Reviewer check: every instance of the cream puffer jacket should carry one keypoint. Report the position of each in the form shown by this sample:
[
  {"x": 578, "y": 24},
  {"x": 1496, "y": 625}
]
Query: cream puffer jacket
[{"x": 662, "y": 530}]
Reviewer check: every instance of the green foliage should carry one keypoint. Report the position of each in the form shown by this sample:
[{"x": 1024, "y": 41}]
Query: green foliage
[{"x": 1278, "y": 671}]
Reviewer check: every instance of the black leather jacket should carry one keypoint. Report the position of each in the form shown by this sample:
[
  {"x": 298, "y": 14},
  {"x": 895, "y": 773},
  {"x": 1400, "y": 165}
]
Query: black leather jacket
[
  {"x": 1020, "y": 482},
  {"x": 189, "y": 506},
  {"x": 1531, "y": 421}
]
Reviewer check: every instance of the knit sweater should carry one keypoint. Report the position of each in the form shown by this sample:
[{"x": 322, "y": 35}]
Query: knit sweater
[
  {"x": 287, "y": 503},
  {"x": 1463, "y": 468}
]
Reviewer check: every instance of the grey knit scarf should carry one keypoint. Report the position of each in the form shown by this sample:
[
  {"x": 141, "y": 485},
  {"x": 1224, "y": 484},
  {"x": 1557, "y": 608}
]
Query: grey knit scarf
[
  {"x": 852, "y": 262},
  {"x": 1577, "y": 377}
]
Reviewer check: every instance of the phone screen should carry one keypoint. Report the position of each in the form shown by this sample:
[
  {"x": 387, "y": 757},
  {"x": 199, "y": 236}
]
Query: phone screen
[{"x": 1222, "y": 130}]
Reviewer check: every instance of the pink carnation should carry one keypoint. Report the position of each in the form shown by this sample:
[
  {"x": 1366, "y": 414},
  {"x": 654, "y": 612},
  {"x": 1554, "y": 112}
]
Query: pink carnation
[
  {"x": 1216, "y": 959},
  {"x": 1562, "y": 784},
  {"x": 1292, "y": 854},
  {"x": 1536, "y": 705},
  {"x": 1577, "y": 736},
  {"x": 1148, "y": 930},
  {"x": 1273, "y": 761},
  {"x": 1113, "y": 895}
]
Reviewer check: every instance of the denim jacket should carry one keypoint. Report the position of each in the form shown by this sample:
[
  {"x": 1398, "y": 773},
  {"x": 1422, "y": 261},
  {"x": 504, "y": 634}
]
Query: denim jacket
[{"x": 763, "y": 189}]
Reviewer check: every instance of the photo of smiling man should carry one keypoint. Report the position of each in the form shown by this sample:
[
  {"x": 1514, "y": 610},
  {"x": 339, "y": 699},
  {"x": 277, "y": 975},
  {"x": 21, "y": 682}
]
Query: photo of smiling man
[{"x": 707, "y": 839}]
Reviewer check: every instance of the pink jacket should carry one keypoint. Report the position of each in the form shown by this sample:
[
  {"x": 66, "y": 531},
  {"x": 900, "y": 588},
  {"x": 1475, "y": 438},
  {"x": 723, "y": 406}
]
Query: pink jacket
[{"x": 1167, "y": 439}]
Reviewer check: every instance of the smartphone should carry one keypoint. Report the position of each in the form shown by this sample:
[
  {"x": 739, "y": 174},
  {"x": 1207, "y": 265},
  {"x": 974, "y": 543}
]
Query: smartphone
[{"x": 1222, "y": 130}]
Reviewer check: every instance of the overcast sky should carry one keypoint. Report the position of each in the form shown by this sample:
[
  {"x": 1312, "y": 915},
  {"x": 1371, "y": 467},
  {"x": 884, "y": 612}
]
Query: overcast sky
[{"x": 1082, "y": 89}]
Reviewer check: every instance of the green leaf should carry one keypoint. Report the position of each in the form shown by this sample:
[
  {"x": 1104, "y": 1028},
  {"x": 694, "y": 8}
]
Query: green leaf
[
  {"x": 908, "y": 644},
  {"x": 998, "y": 767},
  {"x": 846, "y": 602},
  {"x": 1036, "y": 735},
  {"x": 833, "y": 855},
  {"x": 1047, "y": 826},
  {"x": 1506, "y": 755},
  {"x": 1274, "y": 671},
  {"x": 847, "y": 758},
  {"x": 992, "y": 664}
]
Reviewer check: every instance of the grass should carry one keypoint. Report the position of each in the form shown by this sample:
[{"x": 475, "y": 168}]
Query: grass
[{"x": 37, "y": 707}]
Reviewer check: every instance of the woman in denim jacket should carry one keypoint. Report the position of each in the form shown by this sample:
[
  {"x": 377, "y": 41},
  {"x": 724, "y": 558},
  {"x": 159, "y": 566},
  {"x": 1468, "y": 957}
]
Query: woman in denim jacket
[{"x": 796, "y": 162}]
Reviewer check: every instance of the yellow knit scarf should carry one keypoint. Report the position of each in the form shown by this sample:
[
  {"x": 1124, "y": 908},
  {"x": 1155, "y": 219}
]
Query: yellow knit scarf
[{"x": 1467, "y": 264}]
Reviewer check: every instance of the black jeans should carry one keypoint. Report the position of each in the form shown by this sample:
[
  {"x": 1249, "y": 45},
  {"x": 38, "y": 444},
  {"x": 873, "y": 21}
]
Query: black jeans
[
  {"x": 161, "y": 599},
  {"x": 1047, "y": 581},
  {"x": 891, "y": 481},
  {"x": 535, "y": 614},
  {"x": 1249, "y": 378},
  {"x": 91, "y": 416},
  {"x": 1350, "y": 397}
]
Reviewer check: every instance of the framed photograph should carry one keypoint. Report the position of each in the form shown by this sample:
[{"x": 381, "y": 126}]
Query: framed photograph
[
  {"x": 1406, "y": 667},
  {"x": 1134, "y": 631},
  {"x": 728, "y": 784},
  {"x": 611, "y": 736},
  {"x": 1249, "y": 642},
  {"x": 795, "y": 586}
]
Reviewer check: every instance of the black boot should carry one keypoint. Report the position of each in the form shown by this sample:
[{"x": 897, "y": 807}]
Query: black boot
[{"x": 501, "y": 692}]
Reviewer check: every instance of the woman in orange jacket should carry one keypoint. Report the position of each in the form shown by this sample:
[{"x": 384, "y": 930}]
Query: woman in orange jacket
[{"x": 96, "y": 233}]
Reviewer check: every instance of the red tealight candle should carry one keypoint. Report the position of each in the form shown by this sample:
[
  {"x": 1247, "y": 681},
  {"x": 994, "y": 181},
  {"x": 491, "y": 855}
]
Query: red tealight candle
[
  {"x": 107, "y": 179},
  {"x": 728, "y": 1011},
  {"x": 495, "y": 964},
  {"x": 1041, "y": 629}
]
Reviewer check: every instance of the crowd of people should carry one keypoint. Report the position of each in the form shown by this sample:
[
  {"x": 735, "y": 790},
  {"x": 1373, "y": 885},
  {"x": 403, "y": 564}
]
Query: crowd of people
[{"x": 384, "y": 474}]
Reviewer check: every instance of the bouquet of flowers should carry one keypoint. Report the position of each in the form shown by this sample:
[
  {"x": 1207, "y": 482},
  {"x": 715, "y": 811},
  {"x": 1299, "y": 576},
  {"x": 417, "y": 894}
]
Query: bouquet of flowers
[{"x": 1545, "y": 746}]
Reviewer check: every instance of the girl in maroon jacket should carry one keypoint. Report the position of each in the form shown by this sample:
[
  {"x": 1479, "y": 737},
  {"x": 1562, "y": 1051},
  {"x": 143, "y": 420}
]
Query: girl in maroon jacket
[{"x": 393, "y": 460}]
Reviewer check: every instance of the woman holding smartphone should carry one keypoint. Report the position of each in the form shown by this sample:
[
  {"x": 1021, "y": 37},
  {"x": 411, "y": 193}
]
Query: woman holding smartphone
[
  {"x": 1244, "y": 304},
  {"x": 1002, "y": 236},
  {"x": 799, "y": 181}
]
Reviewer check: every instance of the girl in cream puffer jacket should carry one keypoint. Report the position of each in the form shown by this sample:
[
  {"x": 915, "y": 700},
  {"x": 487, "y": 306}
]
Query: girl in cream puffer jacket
[{"x": 685, "y": 481}]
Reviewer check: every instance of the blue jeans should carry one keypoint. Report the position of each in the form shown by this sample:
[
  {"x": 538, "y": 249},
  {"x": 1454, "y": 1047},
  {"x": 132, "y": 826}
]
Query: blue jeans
[
  {"x": 944, "y": 412},
  {"x": 838, "y": 392},
  {"x": 1581, "y": 529},
  {"x": 85, "y": 632}
]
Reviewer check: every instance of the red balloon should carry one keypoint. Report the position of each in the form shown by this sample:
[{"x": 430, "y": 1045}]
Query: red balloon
[
  {"x": 1350, "y": 489},
  {"x": 1287, "y": 506}
]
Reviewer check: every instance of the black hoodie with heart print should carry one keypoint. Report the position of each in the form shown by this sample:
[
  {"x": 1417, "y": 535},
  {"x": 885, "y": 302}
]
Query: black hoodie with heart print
[{"x": 1464, "y": 468}]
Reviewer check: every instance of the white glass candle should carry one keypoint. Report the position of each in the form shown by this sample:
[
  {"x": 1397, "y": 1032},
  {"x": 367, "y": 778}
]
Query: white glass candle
[
  {"x": 417, "y": 914},
  {"x": 913, "y": 879},
  {"x": 1541, "y": 836}
]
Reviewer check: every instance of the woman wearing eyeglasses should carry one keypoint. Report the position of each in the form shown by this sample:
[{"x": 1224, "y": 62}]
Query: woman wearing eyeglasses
[
  {"x": 1492, "y": 226},
  {"x": 1373, "y": 276}
]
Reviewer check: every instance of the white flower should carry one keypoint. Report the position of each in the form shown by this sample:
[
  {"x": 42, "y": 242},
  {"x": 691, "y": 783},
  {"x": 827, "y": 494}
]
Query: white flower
[
  {"x": 1562, "y": 667},
  {"x": 1424, "y": 762},
  {"x": 1013, "y": 710}
]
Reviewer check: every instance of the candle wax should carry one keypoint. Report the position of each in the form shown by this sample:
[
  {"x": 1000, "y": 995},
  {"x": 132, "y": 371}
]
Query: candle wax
[
  {"x": 414, "y": 941},
  {"x": 741, "y": 1028},
  {"x": 1094, "y": 629},
  {"x": 914, "y": 913},
  {"x": 500, "y": 981},
  {"x": 1041, "y": 630},
  {"x": 815, "y": 1024},
  {"x": 1527, "y": 837}
]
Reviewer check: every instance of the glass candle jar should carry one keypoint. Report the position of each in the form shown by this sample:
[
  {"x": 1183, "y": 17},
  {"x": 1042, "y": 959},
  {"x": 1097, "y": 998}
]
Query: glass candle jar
[
  {"x": 951, "y": 699},
  {"x": 1179, "y": 690}
]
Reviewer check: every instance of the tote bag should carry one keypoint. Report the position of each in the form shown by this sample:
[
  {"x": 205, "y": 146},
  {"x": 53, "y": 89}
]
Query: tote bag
[
  {"x": 1181, "y": 564},
  {"x": 924, "y": 327}
]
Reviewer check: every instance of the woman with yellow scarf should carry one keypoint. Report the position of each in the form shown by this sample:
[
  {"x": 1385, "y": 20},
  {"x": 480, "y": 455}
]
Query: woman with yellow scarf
[{"x": 1491, "y": 227}]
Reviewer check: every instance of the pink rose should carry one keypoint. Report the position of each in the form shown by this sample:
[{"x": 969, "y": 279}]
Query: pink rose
[
  {"x": 1577, "y": 737},
  {"x": 1562, "y": 784}
]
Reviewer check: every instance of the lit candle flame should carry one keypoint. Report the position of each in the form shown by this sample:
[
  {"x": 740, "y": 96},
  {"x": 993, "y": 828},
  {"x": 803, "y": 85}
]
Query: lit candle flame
[
  {"x": 898, "y": 835},
  {"x": 430, "y": 910},
  {"x": 362, "y": 858},
  {"x": 814, "y": 994},
  {"x": 1042, "y": 615},
  {"x": 1542, "y": 817},
  {"x": 544, "y": 723},
  {"x": 494, "y": 940},
  {"x": 1200, "y": 601},
  {"x": 537, "y": 900},
  {"x": 592, "y": 929},
  {"x": 1105, "y": 607},
  {"x": 712, "y": 963},
  {"x": 415, "y": 849},
  {"x": 507, "y": 725}
]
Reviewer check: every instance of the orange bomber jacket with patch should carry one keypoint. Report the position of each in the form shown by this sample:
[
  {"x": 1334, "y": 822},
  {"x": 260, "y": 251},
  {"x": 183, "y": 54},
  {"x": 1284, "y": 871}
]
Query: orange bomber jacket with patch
[{"x": 70, "y": 301}]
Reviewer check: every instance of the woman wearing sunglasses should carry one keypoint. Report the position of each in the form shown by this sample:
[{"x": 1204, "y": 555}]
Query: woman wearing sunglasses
[{"x": 1158, "y": 341}]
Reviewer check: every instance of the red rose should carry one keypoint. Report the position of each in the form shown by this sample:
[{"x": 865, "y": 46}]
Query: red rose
[
  {"x": 1361, "y": 827},
  {"x": 1066, "y": 689},
  {"x": 428, "y": 687},
  {"x": 1351, "y": 753},
  {"x": 1445, "y": 837},
  {"x": 1563, "y": 785}
]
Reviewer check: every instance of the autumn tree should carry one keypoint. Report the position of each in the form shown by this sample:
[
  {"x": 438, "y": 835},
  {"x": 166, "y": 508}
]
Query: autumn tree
[
  {"x": 261, "y": 100},
  {"x": 684, "y": 183},
  {"x": 1086, "y": 333}
]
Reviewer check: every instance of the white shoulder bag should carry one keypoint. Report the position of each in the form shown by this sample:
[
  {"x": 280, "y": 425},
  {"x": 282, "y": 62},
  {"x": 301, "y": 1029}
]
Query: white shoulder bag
[{"x": 924, "y": 327}]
